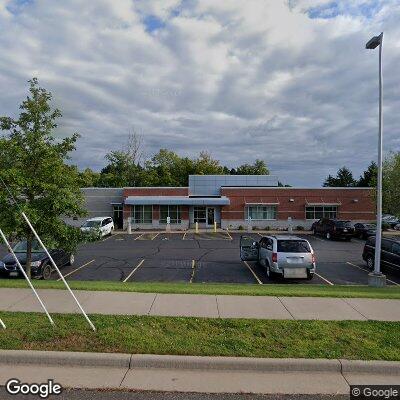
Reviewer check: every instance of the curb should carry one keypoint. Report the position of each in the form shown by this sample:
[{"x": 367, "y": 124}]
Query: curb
[{"x": 143, "y": 361}]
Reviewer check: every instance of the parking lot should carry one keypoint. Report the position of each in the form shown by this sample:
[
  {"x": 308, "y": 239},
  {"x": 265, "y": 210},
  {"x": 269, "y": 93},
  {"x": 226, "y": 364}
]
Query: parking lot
[{"x": 206, "y": 258}]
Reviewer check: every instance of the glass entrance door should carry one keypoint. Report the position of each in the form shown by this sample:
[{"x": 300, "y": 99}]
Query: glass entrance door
[{"x": 210, "y": 215}]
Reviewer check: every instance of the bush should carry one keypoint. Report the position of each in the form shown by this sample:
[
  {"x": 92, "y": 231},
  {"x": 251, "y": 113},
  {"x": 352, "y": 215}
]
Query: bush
[
  {"x": 385, "y": 226},
  {"x": 300, "y": 228},
  {"x": 241, "y": 228},
  {"x": 255, "y": 228},
  {"x": 267, "y": 228}
]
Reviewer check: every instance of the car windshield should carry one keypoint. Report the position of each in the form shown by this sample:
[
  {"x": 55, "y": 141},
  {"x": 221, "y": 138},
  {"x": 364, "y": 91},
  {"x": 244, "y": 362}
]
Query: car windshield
[
  {"x": 343, "y": 224},
  {"x": 21, "y": 246},
  {"x": 293, "y": 246},
  {"x": 91, "y": 224}
]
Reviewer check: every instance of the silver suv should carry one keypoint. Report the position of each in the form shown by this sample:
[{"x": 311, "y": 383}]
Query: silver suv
[{"x": 282, "y": 256}]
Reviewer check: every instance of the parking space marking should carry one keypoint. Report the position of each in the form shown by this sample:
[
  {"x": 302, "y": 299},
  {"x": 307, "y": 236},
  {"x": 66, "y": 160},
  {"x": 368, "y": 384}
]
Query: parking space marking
[
  {"x": 155, "y": 236},
  {"x": 135, "y": 269},
  {"x": 254, "y": 274},
  {"x": 77, "y": 269},
  {"x": 230, "y": 237},
  {"x": 193, "y": 271},
  {"x": 184, "y": 235},
  {"x": 324, "y": 279},
  {"x": 108, "y": 237},
  {"x": 367, "y": 270},
  {"x": 137, "y": 237},
  {"x": 317, "y": 238}
]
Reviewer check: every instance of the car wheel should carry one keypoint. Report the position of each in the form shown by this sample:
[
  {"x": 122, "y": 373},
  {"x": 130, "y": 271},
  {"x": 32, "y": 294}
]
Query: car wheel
[
  {"x": 46, "y": 272},
  {"x": 370, "y": 262},
  {"x": 71, "y": 260},
  {"x": 328, "y": 236}
]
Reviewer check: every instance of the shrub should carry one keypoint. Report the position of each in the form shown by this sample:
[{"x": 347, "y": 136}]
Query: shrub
[
  {"x": 241, "y": 228},
  {"x": 385, "y": 226},
  {"x": 267, "y": 228},
  {"x": 254, "y": 228},
  {"x": 300, "y": 228}
]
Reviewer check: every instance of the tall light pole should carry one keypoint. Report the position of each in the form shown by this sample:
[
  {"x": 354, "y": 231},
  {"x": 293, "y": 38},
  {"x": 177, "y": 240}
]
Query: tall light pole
[{"x": 377, "y": 278}]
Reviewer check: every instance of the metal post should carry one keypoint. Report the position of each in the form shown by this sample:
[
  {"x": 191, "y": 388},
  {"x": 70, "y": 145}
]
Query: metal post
[
  {"x": 26, "y": 276},
  {"x": 378, "y": 240},
  {"x": 59, "y": 273}
]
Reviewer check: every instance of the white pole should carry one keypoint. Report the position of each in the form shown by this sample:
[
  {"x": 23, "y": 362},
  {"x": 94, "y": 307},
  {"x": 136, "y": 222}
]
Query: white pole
[
  {"x": 378, "y": 240},
  {"x": 2, "y": 324},
  {"x": 59, "y": 273},
  {"x": 26, "y": 276}
]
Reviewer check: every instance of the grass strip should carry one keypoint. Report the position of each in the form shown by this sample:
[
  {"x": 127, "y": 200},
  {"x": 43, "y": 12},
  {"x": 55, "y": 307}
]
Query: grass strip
[
  {"x": 307, "y": 290},
  {"x": 365, "y": 340}
]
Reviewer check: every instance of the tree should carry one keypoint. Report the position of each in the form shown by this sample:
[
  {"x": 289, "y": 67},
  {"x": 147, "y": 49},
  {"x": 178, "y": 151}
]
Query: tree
[
  {"x": 206, "y": 165},
  {"x": 391, "y": 184},
  {"x": 123, "y": 168},
  {"x": 88, "y": 178},
  {"x": 369, "y": 176},
  {"x": 344, "y": 178},
  {"x": 258, "y": 168},
  {"x": 33, "y": 166}
]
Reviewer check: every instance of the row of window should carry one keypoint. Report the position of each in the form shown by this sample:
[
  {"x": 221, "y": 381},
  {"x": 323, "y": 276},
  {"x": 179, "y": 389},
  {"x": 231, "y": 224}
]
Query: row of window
[
  {"x": 269, "y": 212},
  {"x": 143, "y": 214}
]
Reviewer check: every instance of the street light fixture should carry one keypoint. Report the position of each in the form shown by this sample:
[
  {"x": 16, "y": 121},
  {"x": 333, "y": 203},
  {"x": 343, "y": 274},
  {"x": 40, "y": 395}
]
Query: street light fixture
[{"x": 376, "y": 278}]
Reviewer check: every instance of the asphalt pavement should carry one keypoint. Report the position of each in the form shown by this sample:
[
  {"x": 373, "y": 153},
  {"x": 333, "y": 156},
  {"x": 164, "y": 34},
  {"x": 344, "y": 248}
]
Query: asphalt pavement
[{"x": 206, "y": 258}]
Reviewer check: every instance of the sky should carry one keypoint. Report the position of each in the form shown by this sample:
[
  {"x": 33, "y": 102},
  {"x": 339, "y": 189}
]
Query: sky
[{"x": 285, "y": 81}]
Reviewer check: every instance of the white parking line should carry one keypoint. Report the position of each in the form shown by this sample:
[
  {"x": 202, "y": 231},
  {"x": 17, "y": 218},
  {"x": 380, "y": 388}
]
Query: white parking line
[
  {"x": 135, "y": 269},
  {"x": 77, "y": 269},
  {"x": 324, "y": 279},
  {"x": 254, "y": 274},
  {"x": 184, "y": 235},
  {"x": 155, "y": 236},
  {"x": 367, "y": 270},
  {"x": 193, "y": 271},
  {"x": 137, "y": 237},
  {"x": 230, "y": 237}
]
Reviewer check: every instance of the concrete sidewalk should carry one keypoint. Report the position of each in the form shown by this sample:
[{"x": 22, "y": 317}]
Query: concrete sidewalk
[
  {"x": 212, "y": 306},
  {"x": 195, "y": 374}
]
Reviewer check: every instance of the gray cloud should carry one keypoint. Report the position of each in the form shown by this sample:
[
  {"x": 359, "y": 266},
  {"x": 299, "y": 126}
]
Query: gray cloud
[{"x": 287, "y": 82}]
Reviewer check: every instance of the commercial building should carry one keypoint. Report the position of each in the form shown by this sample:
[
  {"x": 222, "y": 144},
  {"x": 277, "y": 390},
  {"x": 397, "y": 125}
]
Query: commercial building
[{"x": 230, "y": 201}]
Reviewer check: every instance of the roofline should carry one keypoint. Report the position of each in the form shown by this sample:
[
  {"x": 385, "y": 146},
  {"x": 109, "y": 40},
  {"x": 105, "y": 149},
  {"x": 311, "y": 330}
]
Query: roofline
[
  {"x": 296, "y": 188},
  {"x": 156, "y": 187}
]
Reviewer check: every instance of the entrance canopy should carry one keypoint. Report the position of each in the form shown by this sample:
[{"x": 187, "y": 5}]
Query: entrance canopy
[{"x": 177, "y": 200}]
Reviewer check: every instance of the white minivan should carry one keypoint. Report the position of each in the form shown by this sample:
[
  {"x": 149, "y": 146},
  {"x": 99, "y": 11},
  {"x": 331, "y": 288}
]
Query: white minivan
[{"x": 103, "y": 225}]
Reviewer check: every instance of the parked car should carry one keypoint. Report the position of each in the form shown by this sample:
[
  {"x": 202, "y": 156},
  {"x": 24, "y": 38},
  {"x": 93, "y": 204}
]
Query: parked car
[
  {"x": 41, "y": 267},
  {"x": 281, "y": 256},
  {"x": 391, "y": 220},
  {"x": 102, "y": 226},
  {"x": 333, "y": 229},
  {"x": 390, "y": 252},
  {"x": 397, "y": 227},
  {"x": 363, "y": 231}
]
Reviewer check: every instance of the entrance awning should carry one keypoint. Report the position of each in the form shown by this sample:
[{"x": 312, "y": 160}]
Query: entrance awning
[{"x": 177, "y": 200}]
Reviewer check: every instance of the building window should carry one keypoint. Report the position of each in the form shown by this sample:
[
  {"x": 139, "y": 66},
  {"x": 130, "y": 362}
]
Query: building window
[
  {"x": 199, "y": 214},
  {"x": 318, "y": 212},
  {"x": 261, "y": 212},
  {"x": 174, "y": 212},
  {"x": 142, "y": 214}
]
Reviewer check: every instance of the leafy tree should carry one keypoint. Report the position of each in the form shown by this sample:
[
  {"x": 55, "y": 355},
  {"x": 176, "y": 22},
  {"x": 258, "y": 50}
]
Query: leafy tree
[
  {"x": 33, "y": 166},
  {"x": 206, "y": 165},
  {"x": 344, "y": 178},
  {"x": 88, "y": 178},
  {"x": 258, "y": 168},
  {"x": 369, "y": 176},
  {"x": 123, "y": 168},
  {"x": 391, "y": 184}
]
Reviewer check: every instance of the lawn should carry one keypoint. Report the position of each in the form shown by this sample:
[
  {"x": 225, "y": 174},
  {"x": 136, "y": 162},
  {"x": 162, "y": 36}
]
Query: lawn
[
  {"x": 204, "y": 337},
  {"x": 390, "y": 292}
]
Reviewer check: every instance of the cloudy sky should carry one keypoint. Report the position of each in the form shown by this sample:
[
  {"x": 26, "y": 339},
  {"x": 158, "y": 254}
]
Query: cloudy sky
[{"x": 289, "y": 82}]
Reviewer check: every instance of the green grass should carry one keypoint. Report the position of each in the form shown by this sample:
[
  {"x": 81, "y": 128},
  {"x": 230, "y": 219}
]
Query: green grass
[
  {"x": 391, "y": 292},
  {"x": 203, "y": 336}
]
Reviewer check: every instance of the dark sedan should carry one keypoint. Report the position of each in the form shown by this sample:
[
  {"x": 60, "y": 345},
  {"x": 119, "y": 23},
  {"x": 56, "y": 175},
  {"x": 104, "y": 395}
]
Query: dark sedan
[
  {"x": 364, "y": 231},
  {"x": 41, "y": 267}
]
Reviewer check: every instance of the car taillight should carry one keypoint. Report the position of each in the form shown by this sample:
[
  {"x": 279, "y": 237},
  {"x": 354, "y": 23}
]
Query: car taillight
[
  {"x": 314, "y": 260},
  {"x": 274, "y": 257}
]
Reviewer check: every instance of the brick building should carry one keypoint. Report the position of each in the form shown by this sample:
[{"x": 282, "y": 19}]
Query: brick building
[{"x": 230, "y": 201}]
